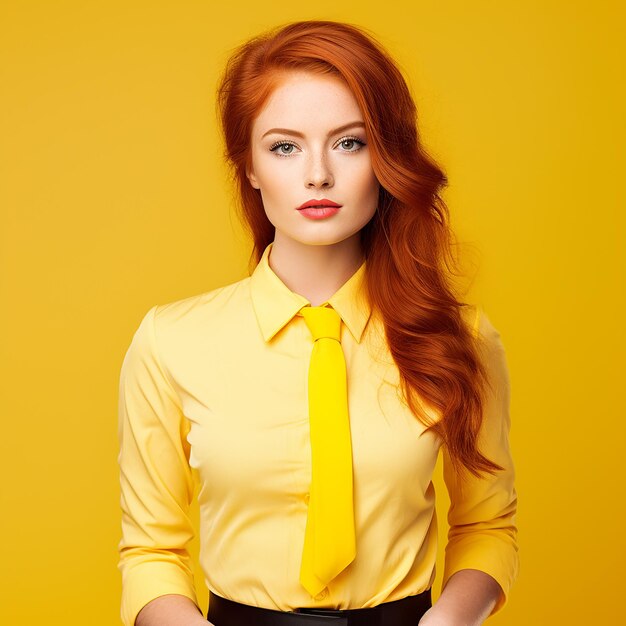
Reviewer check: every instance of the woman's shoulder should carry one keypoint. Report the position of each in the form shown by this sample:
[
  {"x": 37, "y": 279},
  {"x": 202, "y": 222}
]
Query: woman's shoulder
[
  {"x": 479, "y": 323},
  {"x": 213, "y": 301},
  {"x": 178, "y": 327},
  {"x": 490, "y": 345},
  {"x": 470, "y": 314},
  {"x": 203, "y": 312},
  {"x": 488, "y": 338}
]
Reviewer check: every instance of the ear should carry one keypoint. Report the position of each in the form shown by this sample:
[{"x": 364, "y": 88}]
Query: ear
[{"x": 252, "y": 177}]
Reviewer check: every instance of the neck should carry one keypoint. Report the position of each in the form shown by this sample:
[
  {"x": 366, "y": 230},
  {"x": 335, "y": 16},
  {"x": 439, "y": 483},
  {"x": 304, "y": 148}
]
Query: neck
[{"x": 315, "y": 272}]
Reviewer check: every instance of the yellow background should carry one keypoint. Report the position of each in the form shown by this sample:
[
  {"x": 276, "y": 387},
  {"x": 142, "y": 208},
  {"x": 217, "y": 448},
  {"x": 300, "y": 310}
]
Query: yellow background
[{"x": 113, "y": 198}]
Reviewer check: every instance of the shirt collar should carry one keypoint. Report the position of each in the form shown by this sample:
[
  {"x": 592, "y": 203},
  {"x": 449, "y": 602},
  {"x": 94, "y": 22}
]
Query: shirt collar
[{"x": 275, "y": 304}]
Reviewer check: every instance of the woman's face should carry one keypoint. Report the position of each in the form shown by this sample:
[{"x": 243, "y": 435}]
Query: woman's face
[{"x": 309, "y": 143}]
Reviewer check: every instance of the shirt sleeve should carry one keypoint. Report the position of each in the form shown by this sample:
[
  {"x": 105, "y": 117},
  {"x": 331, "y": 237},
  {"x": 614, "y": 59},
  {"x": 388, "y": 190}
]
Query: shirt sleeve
[
  {"x": 156, "y": 482},
  {"x": 483, "y": 531}
]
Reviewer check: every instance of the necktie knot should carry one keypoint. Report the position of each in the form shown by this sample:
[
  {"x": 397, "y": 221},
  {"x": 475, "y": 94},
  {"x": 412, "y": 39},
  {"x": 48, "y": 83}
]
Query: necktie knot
[{"x": 322, "y": 321}]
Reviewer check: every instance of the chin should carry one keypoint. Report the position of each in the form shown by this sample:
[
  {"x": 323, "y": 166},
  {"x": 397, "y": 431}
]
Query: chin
[{"x": 324, "y": 241}]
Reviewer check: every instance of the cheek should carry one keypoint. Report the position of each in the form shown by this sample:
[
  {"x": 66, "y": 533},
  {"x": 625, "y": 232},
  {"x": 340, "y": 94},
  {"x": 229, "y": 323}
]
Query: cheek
[
  {"x": 276, "y": 182},
  {"x": 368, "y": 184},
  {"x": 371, "y": 195},
  {"x": 273, "y": 177}
]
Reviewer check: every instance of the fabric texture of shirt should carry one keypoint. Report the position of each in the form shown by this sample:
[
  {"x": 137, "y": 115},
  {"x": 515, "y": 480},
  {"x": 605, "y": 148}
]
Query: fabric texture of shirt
[{"x": 213, "y": 395}]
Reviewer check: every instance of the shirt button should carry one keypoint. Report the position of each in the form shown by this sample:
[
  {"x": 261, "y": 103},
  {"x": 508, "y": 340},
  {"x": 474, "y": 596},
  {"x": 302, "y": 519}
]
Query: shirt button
[{"x": 307, "y": 497}]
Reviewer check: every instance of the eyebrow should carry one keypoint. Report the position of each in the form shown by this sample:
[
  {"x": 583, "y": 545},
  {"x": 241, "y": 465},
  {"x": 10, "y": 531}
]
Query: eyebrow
[{"x": 295, "y": 133}]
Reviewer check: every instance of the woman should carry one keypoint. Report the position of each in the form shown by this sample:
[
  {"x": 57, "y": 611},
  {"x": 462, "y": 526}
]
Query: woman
[{"x": 312, "y": 397}]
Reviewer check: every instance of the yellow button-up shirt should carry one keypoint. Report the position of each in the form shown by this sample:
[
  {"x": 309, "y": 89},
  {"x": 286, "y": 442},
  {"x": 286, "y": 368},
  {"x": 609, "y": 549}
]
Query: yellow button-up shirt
[{"x": 213, "y": 388}]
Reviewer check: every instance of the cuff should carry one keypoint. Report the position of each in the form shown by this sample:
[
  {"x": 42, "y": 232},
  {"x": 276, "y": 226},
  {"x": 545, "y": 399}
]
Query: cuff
[
  {"x": 146, "y": 581},
  {"x": 501, "y": 563}
]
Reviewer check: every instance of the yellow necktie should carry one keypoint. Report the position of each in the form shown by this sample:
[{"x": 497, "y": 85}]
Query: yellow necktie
[{"x": 329, "y": 541}]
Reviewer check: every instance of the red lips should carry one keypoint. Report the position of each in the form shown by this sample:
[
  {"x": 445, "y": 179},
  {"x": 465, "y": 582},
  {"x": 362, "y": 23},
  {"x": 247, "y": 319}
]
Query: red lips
[{"x": 318, "y": 204}]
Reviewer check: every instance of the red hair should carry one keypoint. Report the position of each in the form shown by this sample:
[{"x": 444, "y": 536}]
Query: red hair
[{"x": 408, "y": 242}]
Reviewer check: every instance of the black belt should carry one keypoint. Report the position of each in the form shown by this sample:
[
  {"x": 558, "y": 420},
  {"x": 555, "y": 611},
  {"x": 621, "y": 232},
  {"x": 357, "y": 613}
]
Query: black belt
[{"x": 407, "y": 611}]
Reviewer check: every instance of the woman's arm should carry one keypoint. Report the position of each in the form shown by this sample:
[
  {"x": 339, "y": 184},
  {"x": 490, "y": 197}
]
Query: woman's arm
[
  {"x": 171, "y": 610},
  {"x": 156, "y": 481},
  {"x": 467, "y": 600},
  {"x": 482, "y": 550}
]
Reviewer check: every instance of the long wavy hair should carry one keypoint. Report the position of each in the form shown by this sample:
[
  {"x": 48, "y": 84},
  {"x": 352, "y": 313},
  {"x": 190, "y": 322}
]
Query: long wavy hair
[{"x": 407, "y": 244}]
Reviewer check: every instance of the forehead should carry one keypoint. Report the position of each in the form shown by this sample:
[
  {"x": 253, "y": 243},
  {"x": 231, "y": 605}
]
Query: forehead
[{"x": 308, "y": 100}]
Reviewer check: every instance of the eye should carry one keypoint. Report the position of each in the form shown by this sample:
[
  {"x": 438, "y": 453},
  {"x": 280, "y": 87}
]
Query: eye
[
  {"x": 351, "y": 142},
  {"x": 277, "y": 148}
]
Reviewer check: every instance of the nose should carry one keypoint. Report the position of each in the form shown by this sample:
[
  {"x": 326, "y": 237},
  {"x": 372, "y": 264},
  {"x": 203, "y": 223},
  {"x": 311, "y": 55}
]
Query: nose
[{"x": 318, "y": 172}]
